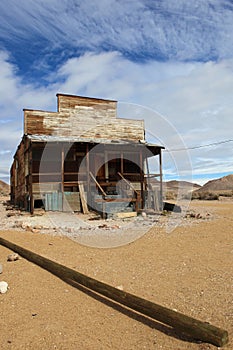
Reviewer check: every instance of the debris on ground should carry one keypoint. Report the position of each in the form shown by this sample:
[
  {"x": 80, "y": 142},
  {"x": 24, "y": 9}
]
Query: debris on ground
[
  {"x": 199, "y": 215},
  {"x": 78, "y": 226},
  {"x": 3, "y": 287},
  {"x": 13, "y": 257}
]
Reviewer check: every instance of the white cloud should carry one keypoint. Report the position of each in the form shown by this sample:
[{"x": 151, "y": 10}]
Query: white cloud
[
  {"x": 193, "y": 101},
  {"x": 185, "y": 102},
  {"x": 14, "y": 97},
  {"x": 194, "y": 98},
  {"x": 180, "y": 30}
]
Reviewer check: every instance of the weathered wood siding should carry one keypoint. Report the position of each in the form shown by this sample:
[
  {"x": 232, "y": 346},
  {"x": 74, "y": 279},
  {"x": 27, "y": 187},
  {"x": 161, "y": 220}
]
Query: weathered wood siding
[
  {"x": 18, "y": 176},
  {"x": 83, "y": 117},
  {"x": 92, "y": 107}
]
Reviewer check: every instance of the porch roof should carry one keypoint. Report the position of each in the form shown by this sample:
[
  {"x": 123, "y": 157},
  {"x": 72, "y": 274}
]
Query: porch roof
[{"x": 73, "y": 139}]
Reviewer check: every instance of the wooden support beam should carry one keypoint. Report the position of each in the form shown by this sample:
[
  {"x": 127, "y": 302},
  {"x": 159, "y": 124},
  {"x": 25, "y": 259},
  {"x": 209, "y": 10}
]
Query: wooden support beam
[
  {"x": 30, "y": 184},
  {"x": 161, "y": 179},
  {"x": 62, "y": 174},
  {"x": 88, "y": 167},
  {"x": 123, "y": 215},
  {"x": 141, "y": 179},
  {"x": 127, "y": 182},
  {"x": 83, "y": 199},
  {"x": 97, "y": 183},
  {"x": 122, "y": 162},
  {"x": 138, "y": 195},
  {"x": 189, "y": 326},
  {"x": 115, "y": 200}
]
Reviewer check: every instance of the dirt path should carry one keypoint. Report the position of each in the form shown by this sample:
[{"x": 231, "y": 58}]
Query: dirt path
[{"x": 190, "y": 270}]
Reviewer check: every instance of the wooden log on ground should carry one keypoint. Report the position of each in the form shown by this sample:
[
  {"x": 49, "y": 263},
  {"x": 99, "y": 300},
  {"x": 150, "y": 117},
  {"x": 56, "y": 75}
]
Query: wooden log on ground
[{"x": 196, "y": 329}]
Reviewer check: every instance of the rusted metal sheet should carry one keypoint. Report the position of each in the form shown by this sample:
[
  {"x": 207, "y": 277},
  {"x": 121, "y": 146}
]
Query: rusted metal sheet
[{"x": 53, "y": 201}]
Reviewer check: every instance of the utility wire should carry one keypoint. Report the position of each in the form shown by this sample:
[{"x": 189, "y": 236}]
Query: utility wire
[{"x": 196, "y": 147}]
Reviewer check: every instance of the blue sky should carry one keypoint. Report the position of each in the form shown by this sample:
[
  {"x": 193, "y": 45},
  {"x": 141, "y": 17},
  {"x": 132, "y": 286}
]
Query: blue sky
[{"x": 168, "y": 62}]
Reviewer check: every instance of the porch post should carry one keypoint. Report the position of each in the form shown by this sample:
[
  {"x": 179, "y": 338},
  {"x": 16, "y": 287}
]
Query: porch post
[
  {"x": 30, "y": 184},
  {"x": 88, "y": 168},
  {"x": 106, "y": 165},
  {"x": 161, "y": 179},
  {"x": 141, "y": 179},
  {"x": 62, "y": 174}
]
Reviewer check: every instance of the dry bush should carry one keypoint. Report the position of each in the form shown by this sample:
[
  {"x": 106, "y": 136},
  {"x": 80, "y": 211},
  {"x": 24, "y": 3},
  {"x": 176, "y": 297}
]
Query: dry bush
[
  {"x": 170, "y": 195},
  {"x": 207, "y": 195}
]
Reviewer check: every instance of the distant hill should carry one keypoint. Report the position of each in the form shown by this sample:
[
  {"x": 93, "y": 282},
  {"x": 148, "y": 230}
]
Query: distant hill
[
  {"x": 4, "y": 188},
  {"x": 214, "y": 188},
  {"x": 224, "y": 183},
  {"x": 173, "y": 187}
]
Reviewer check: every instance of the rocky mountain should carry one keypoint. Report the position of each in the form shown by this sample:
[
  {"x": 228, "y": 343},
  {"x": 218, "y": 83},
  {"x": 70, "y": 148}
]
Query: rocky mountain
[
  {"x": 4, "y": 188},
  {"x": 211, "y": 190},
  {"x": 175, "y": 185},
  {"x": 214, "y": 188},
  {"x": 183, "y": 188},
  {"x": 223, "y": 184}
]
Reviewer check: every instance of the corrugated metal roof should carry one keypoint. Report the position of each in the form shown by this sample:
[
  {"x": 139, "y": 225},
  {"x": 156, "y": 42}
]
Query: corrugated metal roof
[{"x": 54, "y": 138}]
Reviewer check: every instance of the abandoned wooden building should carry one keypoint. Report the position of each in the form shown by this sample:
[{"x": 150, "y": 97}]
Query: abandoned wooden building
[{"x": 83, "y": 157}]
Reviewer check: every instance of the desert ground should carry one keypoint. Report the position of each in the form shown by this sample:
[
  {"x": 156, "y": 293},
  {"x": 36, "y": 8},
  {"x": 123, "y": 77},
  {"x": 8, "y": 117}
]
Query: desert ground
[{"x": 188, "y": 269}]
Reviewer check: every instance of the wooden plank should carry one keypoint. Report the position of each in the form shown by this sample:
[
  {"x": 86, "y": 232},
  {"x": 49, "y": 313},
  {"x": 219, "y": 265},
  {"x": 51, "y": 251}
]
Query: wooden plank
[
  {"x": 161, "y": 179},
  {"x": 62, "y": 173},
  {"x": 84, "y": 123},
  {"x": 127, "y": 182},
  {"x": 72, "y": 201},
  {"x": 117, "y": 200},
  {"x": 189, "y": 326},
  {"x": 156, "y": 200},
  {"x": 149, "y": 199},
  {"x": 83, "y": 198},
  {"x": 98, "y": 185},
  {"x": 69, "y": 102},
  {"x": 126, "y": 215},
  {"x": 30, "y": 184}
]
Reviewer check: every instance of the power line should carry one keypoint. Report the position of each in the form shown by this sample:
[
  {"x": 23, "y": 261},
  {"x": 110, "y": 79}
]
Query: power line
[{"x": 196, "y": 147}]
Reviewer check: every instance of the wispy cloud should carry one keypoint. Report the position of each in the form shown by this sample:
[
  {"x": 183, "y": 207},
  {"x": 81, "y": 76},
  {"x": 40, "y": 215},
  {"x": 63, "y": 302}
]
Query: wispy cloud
[
  {"x": 183, "y": 104},
  {"x": 140, "y": 29},
  {"x": 168, "y": 62}
]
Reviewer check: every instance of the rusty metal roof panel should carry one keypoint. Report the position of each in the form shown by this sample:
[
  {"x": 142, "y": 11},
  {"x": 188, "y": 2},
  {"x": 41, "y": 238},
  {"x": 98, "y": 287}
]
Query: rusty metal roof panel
[{"x": 70, "y": 139}]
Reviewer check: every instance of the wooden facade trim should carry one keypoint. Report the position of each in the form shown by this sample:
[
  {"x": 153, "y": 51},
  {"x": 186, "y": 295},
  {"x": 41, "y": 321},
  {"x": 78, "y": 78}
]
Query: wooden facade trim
[{"x": 83, "y": 117}]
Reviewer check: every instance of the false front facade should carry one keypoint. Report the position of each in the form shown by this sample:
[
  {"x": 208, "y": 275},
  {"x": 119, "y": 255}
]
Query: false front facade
[{"x": 83, "y": 157}]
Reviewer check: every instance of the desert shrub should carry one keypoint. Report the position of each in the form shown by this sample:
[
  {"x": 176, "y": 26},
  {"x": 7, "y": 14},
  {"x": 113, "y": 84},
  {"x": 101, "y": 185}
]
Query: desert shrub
[
  {"x": 188, "y": 196},
  {"x": 170, "y": 195},
  {"x": 205, "y": 195},
  {"x": 226, "y": 194}
]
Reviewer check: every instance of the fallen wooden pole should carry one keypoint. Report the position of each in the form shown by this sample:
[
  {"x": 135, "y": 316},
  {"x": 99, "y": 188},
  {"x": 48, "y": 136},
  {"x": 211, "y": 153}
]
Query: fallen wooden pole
[{"x": 189, "y": 326}]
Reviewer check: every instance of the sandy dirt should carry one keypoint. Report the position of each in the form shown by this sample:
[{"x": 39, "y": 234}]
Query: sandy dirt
[{"x": 189, "y": 269}]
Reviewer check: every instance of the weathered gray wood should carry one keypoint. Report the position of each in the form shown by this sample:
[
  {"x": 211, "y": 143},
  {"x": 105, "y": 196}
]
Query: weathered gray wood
[
  {"x": 83, "y": 124},
  {"x": 196, "y": 329},
  {"x": 156, "y": 200},
  {"x": 83, "y": 199},
  {"x": 106, "y": 108},
  {"x": 97, "y": 183},
  {"x": 127, "y": 182}
]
